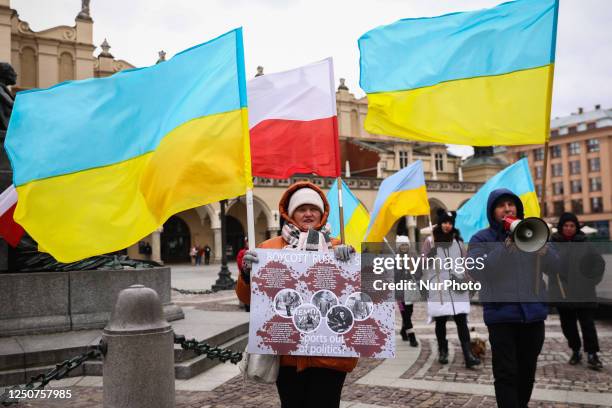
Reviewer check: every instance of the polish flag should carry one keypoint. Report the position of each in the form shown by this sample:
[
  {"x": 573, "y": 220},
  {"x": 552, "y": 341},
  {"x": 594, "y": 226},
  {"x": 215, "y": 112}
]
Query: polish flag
[
  {"x": 293, "y": 122},
  {"x": 9, "y": 229}
]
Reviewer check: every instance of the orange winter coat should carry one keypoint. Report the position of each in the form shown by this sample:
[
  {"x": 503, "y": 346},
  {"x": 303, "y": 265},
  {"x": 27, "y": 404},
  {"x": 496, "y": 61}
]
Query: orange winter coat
[{"x": 243, "y": 290}]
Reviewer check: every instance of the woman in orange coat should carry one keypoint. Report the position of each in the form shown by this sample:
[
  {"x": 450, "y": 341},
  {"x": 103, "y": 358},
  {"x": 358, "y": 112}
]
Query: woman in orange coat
[{"x": 304, "y": 381}]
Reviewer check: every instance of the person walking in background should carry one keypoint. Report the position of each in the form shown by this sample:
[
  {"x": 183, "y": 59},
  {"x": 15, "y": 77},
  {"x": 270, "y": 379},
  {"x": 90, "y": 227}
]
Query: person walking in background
[
  {"x": 572, "y": 286},
  {"x": 192, "y": 254},
  {"x": 406, "y": 298},
  {"x": 199, "y": 253},
  {"x": 513, "y": 309},
  {"x": 207, "y": 252},
  {"x": 446, "y": 243}
]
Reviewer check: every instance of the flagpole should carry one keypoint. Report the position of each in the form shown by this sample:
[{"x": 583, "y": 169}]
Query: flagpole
[
  {"x": 549, "y": 90},
  {"x": 433, "y": 241},
  {"x": 544, "y": 179},
  {"x": 333, "y": 101},
  {"x": 543, "y": 212},
  {"x": 250, "y": 218},
  {"x": 340, "y": 209}
]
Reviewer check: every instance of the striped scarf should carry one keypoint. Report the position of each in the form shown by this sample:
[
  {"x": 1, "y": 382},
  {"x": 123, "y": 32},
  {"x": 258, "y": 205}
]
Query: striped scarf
[{"x": 311, "y": 240}]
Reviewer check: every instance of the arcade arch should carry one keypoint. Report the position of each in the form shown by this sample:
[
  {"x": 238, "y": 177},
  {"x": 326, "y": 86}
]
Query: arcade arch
[{"x": 175, "y": 240}]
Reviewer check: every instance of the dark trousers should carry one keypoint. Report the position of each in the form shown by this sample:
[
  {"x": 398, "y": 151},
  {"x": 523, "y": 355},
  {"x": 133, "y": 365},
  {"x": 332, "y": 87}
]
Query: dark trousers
[
  {"x": 569, "y": 325},
  {"x": 462, "y": 329},
  {"x": 311, "y": 388},
  {"x": 515, "y": 348},
  {"x": 407, "y": 317}
]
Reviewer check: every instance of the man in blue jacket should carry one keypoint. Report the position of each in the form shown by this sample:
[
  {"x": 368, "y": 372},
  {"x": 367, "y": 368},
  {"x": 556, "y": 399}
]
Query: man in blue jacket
[{"x": 513, "y": 306}]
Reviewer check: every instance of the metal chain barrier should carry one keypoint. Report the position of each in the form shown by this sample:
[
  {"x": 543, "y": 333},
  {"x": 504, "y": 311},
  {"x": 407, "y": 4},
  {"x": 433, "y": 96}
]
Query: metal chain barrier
[
  {"x": 60, "y": 371},
  {"x": 211, "y": 352}
]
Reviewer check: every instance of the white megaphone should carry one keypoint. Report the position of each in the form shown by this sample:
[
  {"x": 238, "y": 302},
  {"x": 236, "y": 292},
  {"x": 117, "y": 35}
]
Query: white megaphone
[{"x": 529, "y": 235}]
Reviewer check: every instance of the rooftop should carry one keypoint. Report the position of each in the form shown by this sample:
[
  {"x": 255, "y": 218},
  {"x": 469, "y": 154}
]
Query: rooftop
[{"x": 580, "y": 119}]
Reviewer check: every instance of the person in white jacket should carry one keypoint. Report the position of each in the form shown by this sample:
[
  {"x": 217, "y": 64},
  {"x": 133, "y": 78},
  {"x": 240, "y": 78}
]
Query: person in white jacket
[{"x": 446, "y": 243}]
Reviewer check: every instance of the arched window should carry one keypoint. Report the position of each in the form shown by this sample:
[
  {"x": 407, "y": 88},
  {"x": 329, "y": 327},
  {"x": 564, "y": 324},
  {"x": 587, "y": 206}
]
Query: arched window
[
  {"x": 66, "y": 67},
  {"x": 29, "y": 68}
]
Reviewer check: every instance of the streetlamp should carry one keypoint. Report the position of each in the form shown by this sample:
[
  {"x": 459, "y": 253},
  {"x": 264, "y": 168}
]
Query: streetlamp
[{"x": 224, "y": 281}]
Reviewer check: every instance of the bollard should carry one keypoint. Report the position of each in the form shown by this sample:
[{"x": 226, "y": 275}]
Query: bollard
[{"x": 138, "y": 366}]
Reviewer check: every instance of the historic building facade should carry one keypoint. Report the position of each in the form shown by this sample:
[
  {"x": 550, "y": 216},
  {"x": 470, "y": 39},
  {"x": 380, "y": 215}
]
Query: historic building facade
[
  {"x": 63, "y": 53},
  {"x": 579, "y": 168},
  {"x": 45, "y": 58}
]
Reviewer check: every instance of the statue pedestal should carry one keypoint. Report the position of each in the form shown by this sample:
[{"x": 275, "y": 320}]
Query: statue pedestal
[{"x": 50, "y": 302}]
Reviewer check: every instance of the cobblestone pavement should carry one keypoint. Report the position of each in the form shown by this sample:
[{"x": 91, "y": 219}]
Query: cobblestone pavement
[{"x": 413, "y": 379}]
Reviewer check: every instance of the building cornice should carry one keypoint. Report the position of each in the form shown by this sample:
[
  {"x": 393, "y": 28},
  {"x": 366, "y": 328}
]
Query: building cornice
[{"x": 366, "y": 183}]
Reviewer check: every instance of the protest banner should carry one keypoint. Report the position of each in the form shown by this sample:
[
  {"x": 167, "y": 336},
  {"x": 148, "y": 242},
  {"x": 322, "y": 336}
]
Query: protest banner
[{"x": 308, "y": 303}]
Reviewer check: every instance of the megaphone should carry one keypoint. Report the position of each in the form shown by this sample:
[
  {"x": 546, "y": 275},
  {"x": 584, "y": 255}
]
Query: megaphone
[{"x": 529, "y": 235}]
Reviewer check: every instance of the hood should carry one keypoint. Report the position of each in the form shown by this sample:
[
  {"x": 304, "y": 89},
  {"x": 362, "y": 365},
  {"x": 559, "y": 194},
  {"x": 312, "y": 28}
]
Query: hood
[
  {"x": 284, "y": 202},
  {"x": 579, "y": 237},
  {"x": 494, "y": 197},
  {"x": 565, "y": 217},
  {"x": 439, "y": 236}
]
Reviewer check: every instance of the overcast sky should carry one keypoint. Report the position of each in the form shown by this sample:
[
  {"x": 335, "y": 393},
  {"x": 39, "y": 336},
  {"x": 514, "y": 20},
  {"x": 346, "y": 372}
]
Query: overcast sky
[{"x": 284, "y": 34}]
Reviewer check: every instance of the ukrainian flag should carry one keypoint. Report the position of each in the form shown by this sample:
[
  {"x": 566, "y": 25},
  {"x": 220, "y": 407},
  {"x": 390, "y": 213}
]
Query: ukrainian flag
[
  {"x": 401, "y": 194},
  {"x": 100, "y": 163},
  {"x": 472, "y": 216},
  {"x": 356, "y": 217},
  {"x": 477, "y": 78}
]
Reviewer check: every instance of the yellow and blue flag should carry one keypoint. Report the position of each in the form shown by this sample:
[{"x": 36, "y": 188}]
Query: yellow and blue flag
[
  {"x": 472, "y": 216},
  {"x": 356, "y": 216},
  {"x": 100, "y": 163},
  {"x": 403, "y": 193},
  {"x": 476, "y": 78}
]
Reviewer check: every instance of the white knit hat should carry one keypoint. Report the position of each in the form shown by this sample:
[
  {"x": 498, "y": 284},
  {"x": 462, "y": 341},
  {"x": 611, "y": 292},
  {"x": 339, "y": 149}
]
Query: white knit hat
[
  {"x": 305, "y": 196},
  {"x": 402, "y": 239}
]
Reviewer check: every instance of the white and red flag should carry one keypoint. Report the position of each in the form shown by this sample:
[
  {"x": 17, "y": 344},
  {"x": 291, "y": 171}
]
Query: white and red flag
[
  {"x": 293, "y": 122},
  {"x": 9, "y": 229}
]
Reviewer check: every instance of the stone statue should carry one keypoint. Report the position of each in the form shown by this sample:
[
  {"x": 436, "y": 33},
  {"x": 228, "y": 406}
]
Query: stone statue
[
  {"x": 84, "y": 14},
  {"x": 8, "y": 77},
  {"x": 483, "y": 151},
  {"x": 28, "y": 259}
]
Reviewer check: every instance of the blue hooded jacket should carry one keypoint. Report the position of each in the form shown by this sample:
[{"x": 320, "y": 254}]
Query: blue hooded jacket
[{"x": 508, "y": 282}]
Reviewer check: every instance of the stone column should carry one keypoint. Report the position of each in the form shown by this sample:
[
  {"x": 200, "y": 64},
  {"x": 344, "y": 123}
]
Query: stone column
[
  {"x": 411, "y": 224},
  {"x": 156, "y": 245},
  {"x": 434, "y": 171},
  {"x": 84, "y": 64},
  {"x": 48, "y": 68},
  {"x": 379, "y": 169},
  {"x": 5, "y": 30},
  {"x": 217, "y": 245}
]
